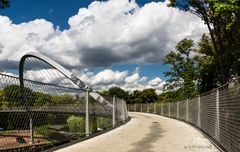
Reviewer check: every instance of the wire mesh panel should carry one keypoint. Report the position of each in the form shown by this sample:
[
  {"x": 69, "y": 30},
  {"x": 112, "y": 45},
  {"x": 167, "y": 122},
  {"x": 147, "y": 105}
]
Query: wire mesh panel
[
  {"x": 145, "y": 107},
  {"x": 183, "y": 110},
  {"x": 229, "y": 116},
  {"x": 173, "y": 108},
  {"x": 208, "y": 113},
  {"x": 158, "y": 109},
  {"x": 193, "y": 111},
  {"x": 166, "y": 109}
]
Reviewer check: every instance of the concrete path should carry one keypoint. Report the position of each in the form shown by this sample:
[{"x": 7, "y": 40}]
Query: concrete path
[{"x": 147, "y": 133}]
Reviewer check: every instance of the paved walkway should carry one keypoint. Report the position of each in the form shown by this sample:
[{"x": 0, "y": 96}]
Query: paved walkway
[{"x": 147, "y": 133}]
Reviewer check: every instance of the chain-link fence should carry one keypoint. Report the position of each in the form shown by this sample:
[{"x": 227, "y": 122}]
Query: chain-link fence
[{"x": 217, "y": 113}]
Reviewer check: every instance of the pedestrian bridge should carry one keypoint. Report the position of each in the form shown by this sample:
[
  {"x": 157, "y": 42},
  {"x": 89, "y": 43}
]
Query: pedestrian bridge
[
  {"x": 147, "y": 133},
  {"x": 47, "y": 108}
]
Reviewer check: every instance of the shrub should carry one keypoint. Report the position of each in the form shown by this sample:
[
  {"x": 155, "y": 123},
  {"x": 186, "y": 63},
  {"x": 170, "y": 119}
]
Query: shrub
[
  {"x": 50, "y": 134},
  {"x": 104, "y": 123},
  {"x": 76, "y": 124}
]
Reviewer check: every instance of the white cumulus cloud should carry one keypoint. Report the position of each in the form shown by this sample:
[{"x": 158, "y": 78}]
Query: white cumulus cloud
[{"x": 104, "y": 33}]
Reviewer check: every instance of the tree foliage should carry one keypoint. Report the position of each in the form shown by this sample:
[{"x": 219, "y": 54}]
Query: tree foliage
[
  {"x": 223, "y": 21},
  {"x": 4, "y": 4},
  {"x": 184, "y": 69}
]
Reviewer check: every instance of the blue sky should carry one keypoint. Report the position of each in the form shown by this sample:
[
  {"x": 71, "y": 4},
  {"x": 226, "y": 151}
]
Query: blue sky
[
  {"x": 127, "y": 39},
  {"x": 59, "y": 11}
]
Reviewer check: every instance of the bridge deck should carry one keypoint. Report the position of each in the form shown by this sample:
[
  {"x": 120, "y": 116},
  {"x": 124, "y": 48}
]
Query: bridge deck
[{"x": 147, "y": 133}]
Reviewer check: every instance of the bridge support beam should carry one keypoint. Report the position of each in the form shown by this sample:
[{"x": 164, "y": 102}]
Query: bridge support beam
[{"x": 87, "y": 115}]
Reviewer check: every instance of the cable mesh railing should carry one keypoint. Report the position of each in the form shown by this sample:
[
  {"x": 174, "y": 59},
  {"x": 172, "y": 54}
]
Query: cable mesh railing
[
  {"x": 216, "y": 113},
  {"x": 46, "y": 107}
]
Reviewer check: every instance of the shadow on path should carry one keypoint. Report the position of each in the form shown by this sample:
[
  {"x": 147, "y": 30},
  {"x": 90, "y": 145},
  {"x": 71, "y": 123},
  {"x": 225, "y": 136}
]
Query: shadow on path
[{"x": 145, "y": 144}]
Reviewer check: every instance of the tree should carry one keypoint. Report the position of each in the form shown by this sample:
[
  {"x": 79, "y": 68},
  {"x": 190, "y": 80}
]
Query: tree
[
  {"x": 184, "y": 69},
  {"x": 148, "y": 96},
  {"x": 120, "y": 93},
  {"x": 19, "y": 96},
  {"x": 223, "y": 21},
  {"x": 4, "y": 4}
]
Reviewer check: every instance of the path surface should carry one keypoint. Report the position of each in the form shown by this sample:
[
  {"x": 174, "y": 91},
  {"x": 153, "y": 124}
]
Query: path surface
[{"x": 147, "y": 133}]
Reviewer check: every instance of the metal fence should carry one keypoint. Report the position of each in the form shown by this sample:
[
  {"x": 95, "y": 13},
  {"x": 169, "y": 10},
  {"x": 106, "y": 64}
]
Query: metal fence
[
  {"x": 45, "y": 108},
  {"x": 217, "y": 113}
]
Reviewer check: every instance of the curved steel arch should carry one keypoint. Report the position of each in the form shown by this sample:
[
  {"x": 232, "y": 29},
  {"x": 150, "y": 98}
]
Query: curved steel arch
[
  {"x": 53, "y": 64},
  {"x": 62, "y": 70}
]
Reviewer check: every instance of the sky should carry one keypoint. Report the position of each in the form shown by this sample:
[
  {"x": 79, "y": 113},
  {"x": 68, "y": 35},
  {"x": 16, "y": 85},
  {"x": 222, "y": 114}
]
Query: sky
[{"x": 106, "y": 43}]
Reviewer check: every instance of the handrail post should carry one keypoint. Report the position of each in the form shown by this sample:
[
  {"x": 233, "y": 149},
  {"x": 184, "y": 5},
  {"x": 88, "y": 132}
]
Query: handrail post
[
  {"x": 87, "y": 114},
  {"x": 114, "y": 111}
]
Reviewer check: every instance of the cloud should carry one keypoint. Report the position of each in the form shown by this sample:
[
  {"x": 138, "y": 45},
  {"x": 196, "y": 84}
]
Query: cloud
[
  {"x": 104, "y": 33},
  {"x": 108, "y": 78}
]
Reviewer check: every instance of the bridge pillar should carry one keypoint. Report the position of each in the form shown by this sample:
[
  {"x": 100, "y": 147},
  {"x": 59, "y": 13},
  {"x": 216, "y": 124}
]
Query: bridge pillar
[
  {"x": 114, "y": 111},
  {"x": 87, "y": 115}
]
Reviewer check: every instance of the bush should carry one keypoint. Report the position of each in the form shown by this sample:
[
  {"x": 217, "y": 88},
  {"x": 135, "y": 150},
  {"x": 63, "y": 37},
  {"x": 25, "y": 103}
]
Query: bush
[
  {"x": 76, "y": 124},
  {"x": 104, "y": 123},
  {"x": 49, "y": 134}
]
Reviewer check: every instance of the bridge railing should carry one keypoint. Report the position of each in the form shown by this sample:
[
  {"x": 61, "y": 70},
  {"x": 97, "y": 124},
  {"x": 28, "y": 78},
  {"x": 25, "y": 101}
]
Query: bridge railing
[
  {"x": 42, "y": 115},
  {"x": 217, "y": 113}
]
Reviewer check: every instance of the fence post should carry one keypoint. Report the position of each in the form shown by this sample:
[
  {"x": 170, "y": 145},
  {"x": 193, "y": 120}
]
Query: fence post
[
  {"x": 123, "y": 111},
  {"x": 217, "y": 131},
  {"x": 31, "y": 130},
  {"x": 199, "y": 111},
  {"x": 161, "y": 108},
  {"x": 154, "y": 108},
  {"x": 177, "y": 110},
  {"x": 187, "y": 110},
  {"x": 147, "y": 107},
  {"x": 114, "y": 111},
  {"x": 169, "y": 110},
  {"x": 135, "y": 107},
  {"x": 141, "y": 107},
  {"x": 87, "y": 115}
]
